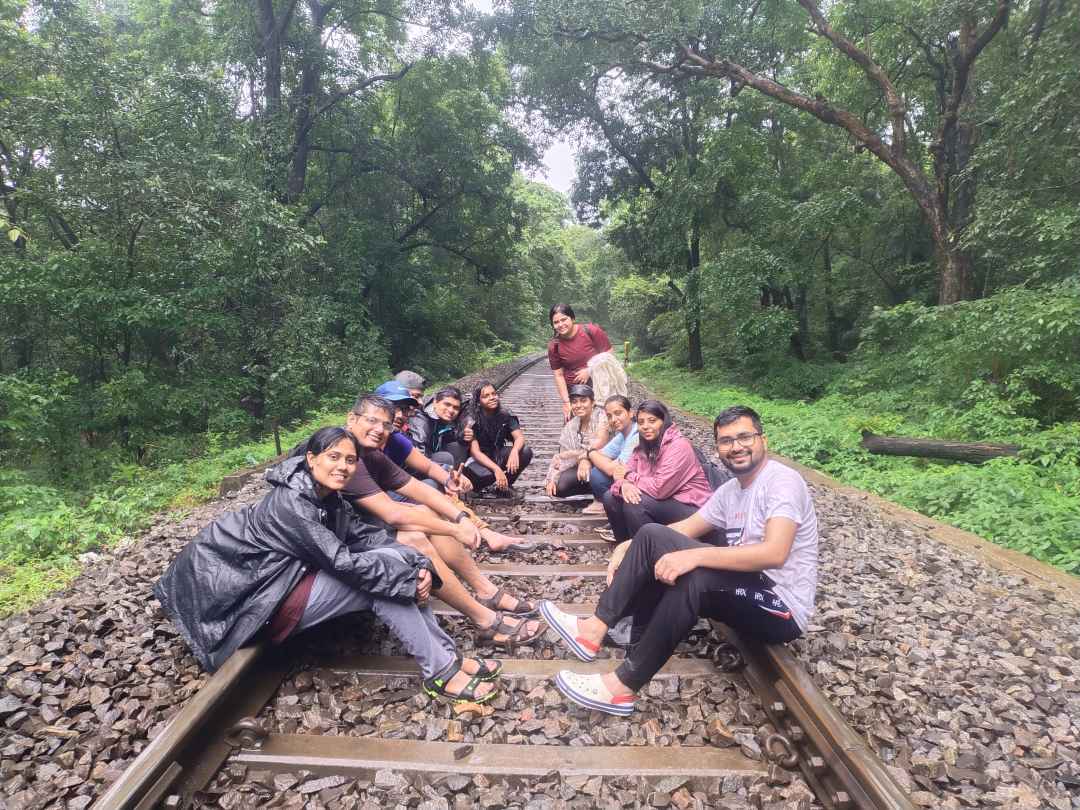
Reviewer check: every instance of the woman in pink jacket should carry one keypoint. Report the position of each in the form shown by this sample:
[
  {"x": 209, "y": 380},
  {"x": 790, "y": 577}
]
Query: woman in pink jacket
[{"x": 664, "y": 481}]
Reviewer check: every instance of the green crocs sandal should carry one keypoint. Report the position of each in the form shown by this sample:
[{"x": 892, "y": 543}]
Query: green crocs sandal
[{"x": 435, "y": 686}]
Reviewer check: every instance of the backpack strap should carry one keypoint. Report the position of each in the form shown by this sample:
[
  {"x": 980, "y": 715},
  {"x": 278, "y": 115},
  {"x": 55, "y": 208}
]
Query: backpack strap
[{"x": 589, "y": 335}]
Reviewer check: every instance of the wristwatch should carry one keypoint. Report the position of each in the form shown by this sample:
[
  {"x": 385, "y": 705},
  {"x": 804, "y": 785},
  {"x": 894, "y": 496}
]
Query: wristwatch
[{"x": 460, "y": 515}]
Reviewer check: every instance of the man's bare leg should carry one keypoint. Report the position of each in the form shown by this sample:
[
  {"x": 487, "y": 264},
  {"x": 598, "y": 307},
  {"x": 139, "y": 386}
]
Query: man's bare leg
[
  {"x": 452, "y": 591},
  {"x": 458, "y": 557}
]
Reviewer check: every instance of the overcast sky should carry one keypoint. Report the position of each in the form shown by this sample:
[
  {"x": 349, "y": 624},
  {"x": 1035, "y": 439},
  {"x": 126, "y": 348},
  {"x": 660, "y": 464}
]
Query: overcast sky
[{"x": 558, "y": 169}]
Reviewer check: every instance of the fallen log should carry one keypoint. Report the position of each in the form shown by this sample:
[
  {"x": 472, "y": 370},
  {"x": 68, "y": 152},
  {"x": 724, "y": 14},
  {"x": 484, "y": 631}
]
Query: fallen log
[{"x": 972, "y": 452}]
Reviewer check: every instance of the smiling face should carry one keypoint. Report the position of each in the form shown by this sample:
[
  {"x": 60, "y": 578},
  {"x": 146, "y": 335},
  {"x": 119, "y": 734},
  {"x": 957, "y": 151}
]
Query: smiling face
[
  {"x": 618, "y": 417},
  {"x": 563, "y": 324},
  {"x": 371, "y": 427},
  {"x": 447, "y": 408},
  {"x": 333, "y": 467},
  {"x": 489, "y": 398},
  {"x": 581, "y": 406},
  {"x": 748, "y": 449},
  {"x": 649, "y": 426}
]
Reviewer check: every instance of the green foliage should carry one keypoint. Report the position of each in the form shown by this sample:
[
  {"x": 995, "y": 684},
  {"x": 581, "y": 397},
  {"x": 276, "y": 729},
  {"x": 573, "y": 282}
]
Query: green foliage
[
  {"x": 1030, "y": 503},
  {"x": 1001, "y": 365},
  {"x": 45, "y": 527}
]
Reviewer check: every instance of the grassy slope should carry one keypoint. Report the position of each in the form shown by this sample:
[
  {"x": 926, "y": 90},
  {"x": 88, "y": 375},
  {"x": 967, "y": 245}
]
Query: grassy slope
[
  {"x": 1030, "y": 505},
  {"x": 116, "y": 512}
]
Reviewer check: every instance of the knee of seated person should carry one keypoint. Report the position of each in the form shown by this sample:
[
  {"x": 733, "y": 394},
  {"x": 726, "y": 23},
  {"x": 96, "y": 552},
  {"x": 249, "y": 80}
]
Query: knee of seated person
[
  {"x": 647, "y": 535},
  {"x": 417, "y": 540}
]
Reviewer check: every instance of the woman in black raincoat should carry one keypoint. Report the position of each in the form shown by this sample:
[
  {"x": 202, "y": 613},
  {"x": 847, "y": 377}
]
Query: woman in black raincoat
[{"x": 301, "y": 556}]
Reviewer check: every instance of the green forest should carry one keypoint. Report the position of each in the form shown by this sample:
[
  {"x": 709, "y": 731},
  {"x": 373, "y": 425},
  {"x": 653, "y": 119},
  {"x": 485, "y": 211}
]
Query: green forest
[{"x": 220, "y": 217}]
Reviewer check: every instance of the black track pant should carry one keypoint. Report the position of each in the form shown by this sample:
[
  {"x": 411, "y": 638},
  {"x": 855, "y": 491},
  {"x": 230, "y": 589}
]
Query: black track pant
[
  {"x": 627, "y": 518},
  {"x": 665, "y": 614},
  {"x": 567, "y": 484},
  {"x": 483, "y": 478}
]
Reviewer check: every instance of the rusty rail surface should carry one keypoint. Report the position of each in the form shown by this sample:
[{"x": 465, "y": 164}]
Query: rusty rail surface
[{"x": 811, "y": 735}]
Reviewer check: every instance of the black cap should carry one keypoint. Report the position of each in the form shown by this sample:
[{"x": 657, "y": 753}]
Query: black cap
[{"x": 581, "y": 391}]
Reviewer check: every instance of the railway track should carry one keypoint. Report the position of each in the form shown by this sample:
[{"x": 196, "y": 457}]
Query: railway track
[{"x": 769, "y": 718}]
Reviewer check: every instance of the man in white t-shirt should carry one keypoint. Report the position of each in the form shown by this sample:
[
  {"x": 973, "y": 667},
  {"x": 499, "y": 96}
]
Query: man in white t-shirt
[{"x": 762, "y": 582}]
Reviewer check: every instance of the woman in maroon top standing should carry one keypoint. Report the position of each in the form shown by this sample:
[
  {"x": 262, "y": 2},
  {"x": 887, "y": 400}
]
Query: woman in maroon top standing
[{"x": 571, "y": 349}]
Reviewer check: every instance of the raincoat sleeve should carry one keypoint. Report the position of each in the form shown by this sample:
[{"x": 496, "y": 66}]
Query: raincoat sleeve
[
  {"x": 386, "y": 570},
  {"x": 420, "y": 432},
  {"x": 675, "y": 467}
]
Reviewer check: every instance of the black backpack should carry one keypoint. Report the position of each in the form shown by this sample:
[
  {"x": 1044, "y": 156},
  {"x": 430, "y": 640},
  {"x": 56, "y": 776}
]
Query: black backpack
[{"x": 717, "y": 474}]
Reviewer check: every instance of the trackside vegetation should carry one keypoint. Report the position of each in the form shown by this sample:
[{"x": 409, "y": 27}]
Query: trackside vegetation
[
  {"x": 216, "y": 218},
  {"x": 1030, "y": 503}
]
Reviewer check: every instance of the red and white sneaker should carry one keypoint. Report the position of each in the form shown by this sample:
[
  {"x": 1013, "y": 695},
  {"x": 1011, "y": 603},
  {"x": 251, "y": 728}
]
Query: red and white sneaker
[
  {"x": 589, "y": 691},
  {"x": 566, "y": 625}
]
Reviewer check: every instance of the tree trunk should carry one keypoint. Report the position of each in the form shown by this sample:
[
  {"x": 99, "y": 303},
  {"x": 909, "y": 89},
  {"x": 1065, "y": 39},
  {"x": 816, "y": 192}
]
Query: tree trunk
[
  {"x": 801, "y": 341},
  {"x": 972, "y": 452},
  {"x": 832, "y": 324},
  {"x": 693, "y": 300},
  {"x": 310, "y": 78}
]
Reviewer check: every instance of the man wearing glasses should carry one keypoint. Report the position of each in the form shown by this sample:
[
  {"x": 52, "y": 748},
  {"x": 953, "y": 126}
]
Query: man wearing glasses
[{"x": 757, "y": 572}]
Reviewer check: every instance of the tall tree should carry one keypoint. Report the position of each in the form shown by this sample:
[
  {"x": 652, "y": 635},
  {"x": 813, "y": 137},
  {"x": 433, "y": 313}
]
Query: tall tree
[{"x": 919, "y": 78}]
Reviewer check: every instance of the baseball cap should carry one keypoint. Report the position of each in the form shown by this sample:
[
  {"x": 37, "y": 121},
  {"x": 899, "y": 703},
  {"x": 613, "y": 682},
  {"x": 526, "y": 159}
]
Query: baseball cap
[{"x": 395, "y": 392}]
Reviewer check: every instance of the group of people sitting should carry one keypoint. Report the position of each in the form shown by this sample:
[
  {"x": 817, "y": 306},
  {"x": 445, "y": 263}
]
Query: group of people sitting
[{"x": 368, "y": 516}]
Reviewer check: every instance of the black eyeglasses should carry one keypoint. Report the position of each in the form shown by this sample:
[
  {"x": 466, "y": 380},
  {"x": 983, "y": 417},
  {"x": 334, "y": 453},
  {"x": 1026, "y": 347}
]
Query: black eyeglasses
[{"x": 744, "y": 440}]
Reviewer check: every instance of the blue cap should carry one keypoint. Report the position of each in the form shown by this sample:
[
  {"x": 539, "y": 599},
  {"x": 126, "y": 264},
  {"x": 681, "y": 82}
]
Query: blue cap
[{"x": 395, "y": 392}]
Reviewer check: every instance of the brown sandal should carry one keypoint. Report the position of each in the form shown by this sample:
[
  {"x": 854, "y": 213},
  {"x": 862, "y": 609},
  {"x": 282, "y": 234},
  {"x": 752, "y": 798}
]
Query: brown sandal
[
  {"x": 525, "y": 607},
  {"x": 515, "y": 634}
]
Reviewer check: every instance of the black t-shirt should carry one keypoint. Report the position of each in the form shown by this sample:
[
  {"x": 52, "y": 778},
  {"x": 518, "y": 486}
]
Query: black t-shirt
[
  {"x": 375, "y": 473},
  {"x": 492, "y": 432}
]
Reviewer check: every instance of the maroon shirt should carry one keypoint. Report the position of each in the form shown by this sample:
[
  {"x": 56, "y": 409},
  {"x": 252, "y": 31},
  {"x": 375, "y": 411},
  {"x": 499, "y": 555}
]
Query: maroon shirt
[{"x": 572, "y": 354}]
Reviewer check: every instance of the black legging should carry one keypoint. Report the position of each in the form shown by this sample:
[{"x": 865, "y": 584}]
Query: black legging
[
  {"x": 665, "y": 614},
  {"x": 567, "y": 484},
  {"x": 483, "y": 478},
  {"x": 626, "y": 518}
]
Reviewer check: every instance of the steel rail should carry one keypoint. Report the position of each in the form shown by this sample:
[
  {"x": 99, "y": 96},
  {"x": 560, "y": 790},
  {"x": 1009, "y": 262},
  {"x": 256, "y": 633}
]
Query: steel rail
[
  {"x": 812, "y": 735},
  {"x": 192, "y": 747}
]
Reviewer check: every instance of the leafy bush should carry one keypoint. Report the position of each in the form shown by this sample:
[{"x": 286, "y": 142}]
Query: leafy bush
[
  {"x": 1030, "y": 503},
  {"x": 1015, "y": 354}
]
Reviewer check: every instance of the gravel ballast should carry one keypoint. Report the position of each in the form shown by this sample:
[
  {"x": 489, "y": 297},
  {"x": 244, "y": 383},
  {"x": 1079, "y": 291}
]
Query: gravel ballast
[{"x": 962, "y": 676}]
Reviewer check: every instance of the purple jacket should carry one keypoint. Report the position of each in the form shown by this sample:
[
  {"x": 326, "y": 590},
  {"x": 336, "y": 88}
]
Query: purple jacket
[{"x": 676, "y": 474}]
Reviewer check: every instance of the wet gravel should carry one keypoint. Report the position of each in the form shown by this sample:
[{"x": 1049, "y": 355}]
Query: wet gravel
[
  {"x": 964, "y": 678},
  {"x": 92, "y": 673}
]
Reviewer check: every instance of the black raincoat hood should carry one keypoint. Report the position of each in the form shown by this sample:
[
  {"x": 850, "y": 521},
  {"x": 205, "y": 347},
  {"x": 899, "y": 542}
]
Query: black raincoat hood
[{"x": 228, "y": 582}]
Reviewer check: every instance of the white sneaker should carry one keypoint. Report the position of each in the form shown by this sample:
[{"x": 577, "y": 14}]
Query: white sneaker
[
  {"x": 589, "y": 691},
  {"x": 594, "y": 508},
  {"x": 566, "y": 625}
]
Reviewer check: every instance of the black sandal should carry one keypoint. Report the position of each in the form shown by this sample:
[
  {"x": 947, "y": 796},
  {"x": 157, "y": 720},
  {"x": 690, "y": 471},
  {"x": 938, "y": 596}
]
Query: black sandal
[
  {"x": 516, "y": 634},
  {"x": 484, "y": 673},
  {"x": 525, "y": 607},
  {"x": 435, "y": 686}
]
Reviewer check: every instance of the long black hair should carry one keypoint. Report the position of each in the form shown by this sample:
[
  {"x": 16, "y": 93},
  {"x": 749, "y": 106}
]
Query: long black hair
[
  {"x": 658, "y": 409},
  {"x": 325, "y": 438},
  {"x": 560, "y": 309},
  {"x": 484, "y": 423}
]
